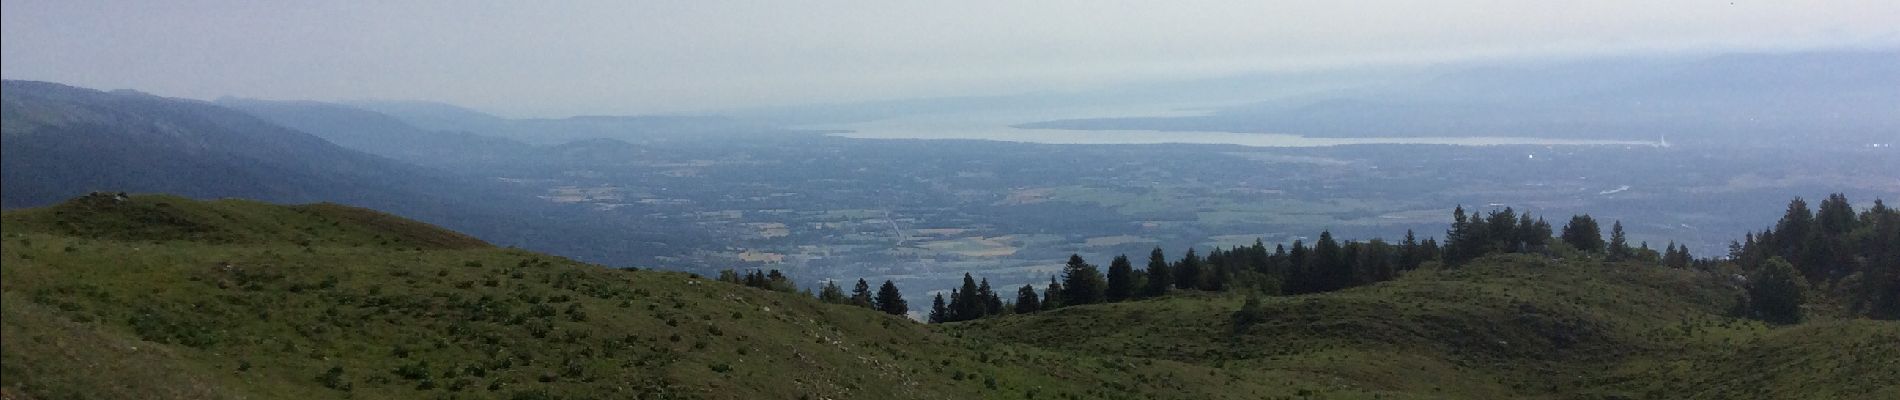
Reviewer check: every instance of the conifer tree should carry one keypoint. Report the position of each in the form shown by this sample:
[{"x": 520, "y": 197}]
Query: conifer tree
[
  {"x": 1329, "y": 271},
  {"x": 1082, "y": 283},
  {"x": 967, "y": 303},
  {"x": 953, "y": 309},
  {"x": 777, "y": 281},
  {"x": 1791, "y": 233},
  {"x": 832, "y": 294},
  {"x": 1471, "y": 243},
  {"x": 1376, "y": 263},
  {"x": 1503, "y": 233},
  {"x": 1458, "y": 236},
  {"x": 1217, "y": 274},
  {"x": 1187, "y": 272},
  {"x": 1121, "y": 279},
  {"x": 938, "y": 312},
  {"x": 1879, "y": 294},
  {"x": 1299, "y": 270},
  {"x": 1027, "y": 301},
  {"x": 1258, "y": 259},
  {"x": 1160, "y": 276},
  {"x": 992, "y": 305},
  {"x": 1583, "y": 234},
  {"x": 861, "y": 294},
  {"x": 890, "y": 301},
  {"x": 1619, "y": 244},
  {"x": 1534, "y": 234},
  {"x": 1409, "y": 252},
  {"x": 1052, "y": 296},
  {"x": 1836, "y": 216},
  {"x": 1277, "y": 263}
]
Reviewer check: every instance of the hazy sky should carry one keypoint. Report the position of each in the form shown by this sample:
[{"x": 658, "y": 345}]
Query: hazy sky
[{"x": 557, "y": 58}]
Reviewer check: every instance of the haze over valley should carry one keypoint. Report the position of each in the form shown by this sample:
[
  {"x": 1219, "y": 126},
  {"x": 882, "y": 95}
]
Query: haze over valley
[{"x": 388, "y": 183}]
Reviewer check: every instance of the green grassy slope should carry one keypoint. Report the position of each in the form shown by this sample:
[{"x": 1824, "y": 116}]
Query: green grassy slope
[
  {"x": 261, "y": 301},
  {"x": 1504, "y": 327},
  {"x": 161, "y": 218},
  {"x": 164, "y": 297}
]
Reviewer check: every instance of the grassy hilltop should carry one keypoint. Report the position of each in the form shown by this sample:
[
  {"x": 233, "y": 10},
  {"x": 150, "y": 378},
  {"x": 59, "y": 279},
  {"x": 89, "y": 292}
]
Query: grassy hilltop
[
  {"x": 1503, "y": 327},
  {"x": 165, "y": 297}
]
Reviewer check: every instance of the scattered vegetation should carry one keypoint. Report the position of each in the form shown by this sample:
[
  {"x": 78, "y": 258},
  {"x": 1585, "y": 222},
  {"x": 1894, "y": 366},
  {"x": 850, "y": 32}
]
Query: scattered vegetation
[{"x": 233, "y": 299}]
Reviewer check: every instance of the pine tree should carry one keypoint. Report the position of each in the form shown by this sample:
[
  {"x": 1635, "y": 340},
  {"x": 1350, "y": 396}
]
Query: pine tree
[
  {"x": 966, "y": 303},
  {"x": 938, "y": 312},
  {"x": 1879, "y": 294},
  {"x": 1299, "y": 270},
  {"x": 1375, "y": 263},
  {"x": 1459, "y": 236},
  {"x": 1187, "y": 273},
  {"x": 1791, "y": 233},
  {"x": 1836, "y": 216},
  {"x": 1082, "y": 283},
  {"x": 992, "y": 305},
  {"x": 777, "y": 281},
  {"x": 1583, "y": 234},
  {"x": 1027, "y": 301},
  {"x": 1477, "y": 239},
  {"x": 1619, "y": 245},
  {"x": 1160, "y": 276},
  {"x": 861, "y": 294},
  {"x": 1776, "y": 293},
  {"x": 1121, "y": 279},
  {"x": 1330, "y": 271},
  {"x": 1503, "y": 237},
  {"x": 1258, "y": 259},
  {"x": 1216, "y": 270},
  {"x": 1409, "y": 252},
  {"x": 1052, "y": 296},
  {"x": 890, "y": 301},
  {"x": 832, "y": 294},
  {"x": 1535, "y": 234}
]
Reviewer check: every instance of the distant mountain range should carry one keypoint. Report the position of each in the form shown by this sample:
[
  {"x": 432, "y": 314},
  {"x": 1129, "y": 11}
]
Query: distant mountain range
[
  {"x": 63, "y": 141},
  {"x": 1762, "y": 99},
  {"x": 380, "y": 134},
  {"x": 544, "y": 131}
]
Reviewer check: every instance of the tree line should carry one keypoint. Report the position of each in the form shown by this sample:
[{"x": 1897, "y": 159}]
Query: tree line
[
  {"x": 1836, "y": 251},
  {"x": 888, "y": 298},
  {"x": 1328, "y": 264}
]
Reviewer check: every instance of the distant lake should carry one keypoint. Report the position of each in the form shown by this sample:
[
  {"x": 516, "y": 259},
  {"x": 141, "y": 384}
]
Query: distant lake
[
  {"x": 1047, "y": 136},
  {"x": 993, "y": 129}
]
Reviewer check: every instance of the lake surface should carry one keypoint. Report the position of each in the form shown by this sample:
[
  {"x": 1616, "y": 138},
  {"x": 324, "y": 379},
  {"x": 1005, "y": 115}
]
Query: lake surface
[
  {"x": 1047, "y": 136},
  {"x": 993, "y": 128}
]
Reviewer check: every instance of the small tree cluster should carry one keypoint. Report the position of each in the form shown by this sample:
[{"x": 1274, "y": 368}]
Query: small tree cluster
[
  {"x": 971, "y": 301},
  {"x": 1854, "y": 256},
  {"x": 773, "y": 280}
]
